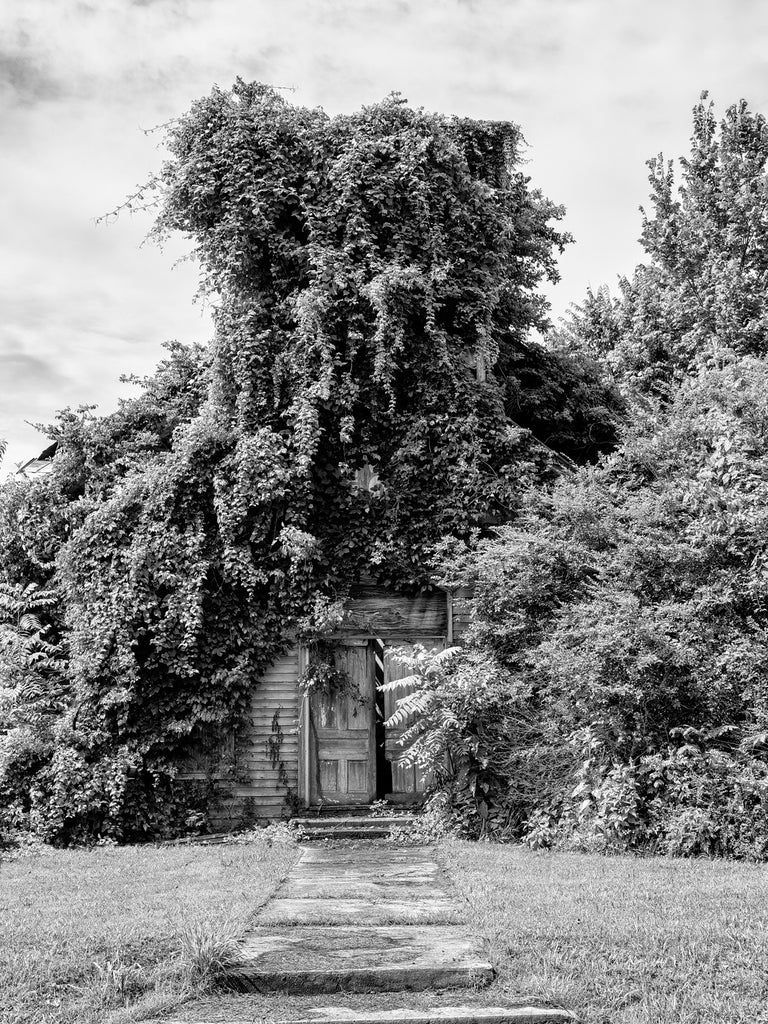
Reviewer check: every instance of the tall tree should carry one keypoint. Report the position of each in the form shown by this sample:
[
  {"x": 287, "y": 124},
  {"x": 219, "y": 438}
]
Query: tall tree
[{"x": 705, "y": 285}]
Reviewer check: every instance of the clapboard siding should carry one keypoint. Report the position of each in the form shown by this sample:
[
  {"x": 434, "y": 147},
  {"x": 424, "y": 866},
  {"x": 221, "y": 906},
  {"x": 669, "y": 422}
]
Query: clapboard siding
[
  {"x": 268, "y": 758},
  {"x": 265, "y": 783}
]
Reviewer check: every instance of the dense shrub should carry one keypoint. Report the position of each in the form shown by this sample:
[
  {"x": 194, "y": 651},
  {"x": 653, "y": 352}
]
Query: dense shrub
[
  {"x": 613, "y": 690},
  {"x": 613, "y": 693}
]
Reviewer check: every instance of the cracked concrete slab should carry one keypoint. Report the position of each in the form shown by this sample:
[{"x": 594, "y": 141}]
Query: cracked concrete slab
[
  {"x": 401, "y": 886},
  {"x": 358, "y": 959},
  {"x": 327, "y": 888},
  {"x": 520, "y": 1014},
  {"x": 374, "y": 857}
]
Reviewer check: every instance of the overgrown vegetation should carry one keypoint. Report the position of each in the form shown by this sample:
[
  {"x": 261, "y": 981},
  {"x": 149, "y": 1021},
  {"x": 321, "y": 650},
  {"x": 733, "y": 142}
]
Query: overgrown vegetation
[
  {"x": 372, "y": 402},
  {"x": 374, "y": 278},
  {"x": 612, "y": 694}
]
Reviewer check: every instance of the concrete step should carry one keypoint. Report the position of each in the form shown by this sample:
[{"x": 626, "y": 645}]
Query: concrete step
[
  {"x": 408, "y": 875},
  {"x": 347, "y": 820},
  {"x": 313, "y": 960},
  {"x": 347, "y": 832},
  {"x": 520, "y": 1014},
  {"x": 349, "y": 827}
]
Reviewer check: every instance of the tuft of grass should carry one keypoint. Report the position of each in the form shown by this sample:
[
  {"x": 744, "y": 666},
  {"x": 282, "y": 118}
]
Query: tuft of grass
[
  {"x": 208, "y": 949},
  {"x": 117, "y": 983},
  {"x": 620, "y": 939}
]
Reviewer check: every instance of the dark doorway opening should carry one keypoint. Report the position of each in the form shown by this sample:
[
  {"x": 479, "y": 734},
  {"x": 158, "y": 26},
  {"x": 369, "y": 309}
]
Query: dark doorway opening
[{"x": 383, "y": 766}]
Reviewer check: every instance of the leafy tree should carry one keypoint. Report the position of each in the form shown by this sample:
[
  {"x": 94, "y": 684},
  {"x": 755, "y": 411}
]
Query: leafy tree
[
  {"x": 624, "y": 610},
  {"x": 374, "y": 278},
  {"x": 703, "y": 288}
]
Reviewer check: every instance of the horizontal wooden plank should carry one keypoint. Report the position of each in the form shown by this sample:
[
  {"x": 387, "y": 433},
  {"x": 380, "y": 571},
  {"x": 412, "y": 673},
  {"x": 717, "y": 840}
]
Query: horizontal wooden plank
[
  {"x": 257, "y": 792},
  {"x": 261, "y": 712},
  {"x": 281, "y": 685},
  {"x": 264, "y": 730},
  {"x": 261, "y": 796},
  {"x": 372, "y": 610},
  {"x": 283, "y": 704},
  {"x": 262, "y": 716},
  {"x": 256, "y": 742},
  {"x": 256, "y": 736},
  {"x": 261, "y": 792},
  {"x": 258, "y": 756},
  {"x": 265, "y": 780},
  {"x": 264, "y": 765},
  {"x": 264, "y": 777},
  {"x": 258, "y": 759}
]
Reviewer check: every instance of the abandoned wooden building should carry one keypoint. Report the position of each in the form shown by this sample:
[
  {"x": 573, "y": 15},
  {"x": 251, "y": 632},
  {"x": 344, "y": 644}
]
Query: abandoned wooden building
[{"x": 326, "y": 752}]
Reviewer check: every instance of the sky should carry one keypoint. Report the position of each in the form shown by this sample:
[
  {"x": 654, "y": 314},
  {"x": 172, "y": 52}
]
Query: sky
[{"x": 598, "y": 87}]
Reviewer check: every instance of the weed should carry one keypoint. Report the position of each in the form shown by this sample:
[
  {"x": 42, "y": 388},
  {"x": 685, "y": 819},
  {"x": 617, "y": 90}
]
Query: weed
[
  {"x": 380, "y": 809},
  {"x": 207, "y": 951},
  {"x": 117, "y": 982}
]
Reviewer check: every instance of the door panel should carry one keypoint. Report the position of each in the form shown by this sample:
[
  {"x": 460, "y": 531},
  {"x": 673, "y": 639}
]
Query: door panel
[{"x": 342, "y": 731}]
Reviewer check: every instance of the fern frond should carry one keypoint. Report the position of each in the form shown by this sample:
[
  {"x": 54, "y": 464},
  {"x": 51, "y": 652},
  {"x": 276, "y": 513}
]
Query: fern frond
[
  {"x": 400, "y": 684},
  {"x": 412, "y": 704}
]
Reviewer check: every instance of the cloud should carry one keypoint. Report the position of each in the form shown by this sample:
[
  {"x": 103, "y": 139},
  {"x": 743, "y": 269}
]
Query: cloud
[
  {"x": 25, "y": 82},
  {"x": 22, "y": 365}
]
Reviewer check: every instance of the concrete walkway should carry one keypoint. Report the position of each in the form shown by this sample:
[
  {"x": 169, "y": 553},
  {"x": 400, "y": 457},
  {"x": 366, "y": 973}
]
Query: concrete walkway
[
  {"x": 364, "y": 918},
  {"x": 371, "y": 918}
]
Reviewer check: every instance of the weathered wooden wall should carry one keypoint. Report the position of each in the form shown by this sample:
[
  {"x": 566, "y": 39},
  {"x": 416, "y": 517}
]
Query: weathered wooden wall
[
  {"x": 374, "y": 611},
  {"x": 266, "y": 783},
  {"x": 267, "y": 753}
]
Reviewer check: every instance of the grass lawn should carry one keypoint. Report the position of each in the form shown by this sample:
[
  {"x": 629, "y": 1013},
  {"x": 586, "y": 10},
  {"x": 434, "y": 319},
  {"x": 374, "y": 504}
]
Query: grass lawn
[
  {"x": 620, "y": 940},
  {"x": 85, "y": 932},
  {"x": 617, "y": 940}
]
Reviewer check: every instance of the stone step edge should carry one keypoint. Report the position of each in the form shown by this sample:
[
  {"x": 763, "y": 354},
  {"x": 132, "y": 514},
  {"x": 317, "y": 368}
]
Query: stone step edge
[
  {"x": 320, "y": 981},
  {"x": 437, "y": 1015},
  {"x": 349, "y": 827},
  {"x": 328, "y": 820},
  {"x": 347, "y": 833},
  {"x": 448, "y": 1015}
]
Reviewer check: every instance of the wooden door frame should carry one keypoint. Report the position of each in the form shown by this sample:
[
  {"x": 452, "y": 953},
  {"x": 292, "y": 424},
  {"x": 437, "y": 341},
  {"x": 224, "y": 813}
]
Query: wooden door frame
[
  {"x": 305, "y": 730},
  {"x": 305, "y": 738}
]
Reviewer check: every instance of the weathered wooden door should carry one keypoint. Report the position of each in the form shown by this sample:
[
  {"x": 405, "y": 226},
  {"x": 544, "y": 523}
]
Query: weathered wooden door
[
  {"x": 343, "y": 756},
  {"x": 407, "y": 781}
]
